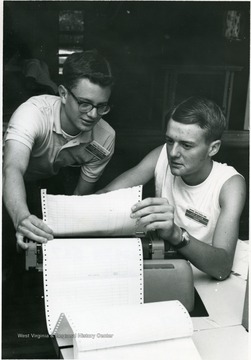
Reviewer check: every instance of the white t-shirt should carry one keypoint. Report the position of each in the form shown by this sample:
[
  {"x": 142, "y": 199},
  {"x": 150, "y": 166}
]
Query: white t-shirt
[{"x": 196, "y": 207}]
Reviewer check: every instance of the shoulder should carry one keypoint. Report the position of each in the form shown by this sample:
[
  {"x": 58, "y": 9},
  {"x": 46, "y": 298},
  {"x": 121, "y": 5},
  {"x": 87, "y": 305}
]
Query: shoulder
[
  {"x": 103, "y": 127},
  {"x": 233, "y": 191},
  {"x": 231, "y": 182},
  {"x": 36, "y": 105},
  {"x": 221, "y": 173},
  {"x": 104, "y": 134},
  {"x": 157, "y": 152},
  {"x": 224, "y": 170},
  {"x": 40, "y": 109},
  {"x": 32, "y": 119},
  {"x": 235, "y": 182},
  {"x": 43, "y": 101},
  {"x": 161, "y": 158}
]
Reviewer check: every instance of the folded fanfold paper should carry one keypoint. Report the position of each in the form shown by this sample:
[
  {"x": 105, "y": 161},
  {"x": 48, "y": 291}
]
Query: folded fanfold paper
[
  {"x": 156, "y": 330},
  {"x": 94, "y": 286}
]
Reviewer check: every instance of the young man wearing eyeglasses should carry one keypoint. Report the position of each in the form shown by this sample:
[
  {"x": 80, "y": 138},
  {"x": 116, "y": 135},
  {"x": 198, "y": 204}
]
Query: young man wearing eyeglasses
[{"x": 47, "y": 133}]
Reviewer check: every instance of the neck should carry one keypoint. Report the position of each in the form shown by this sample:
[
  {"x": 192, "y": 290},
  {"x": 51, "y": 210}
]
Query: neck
[
  {"x": 198, "y": 178},
  {"x": 65, "y": 125}
]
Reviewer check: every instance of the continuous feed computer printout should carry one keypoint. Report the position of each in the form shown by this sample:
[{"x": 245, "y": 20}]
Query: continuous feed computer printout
[{"x": 93, "y": 283}]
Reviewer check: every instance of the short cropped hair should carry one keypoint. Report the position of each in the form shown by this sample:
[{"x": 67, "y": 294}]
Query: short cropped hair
[
  {"x": 203, "y": 112},
  {"x": 89, "y": 64}
]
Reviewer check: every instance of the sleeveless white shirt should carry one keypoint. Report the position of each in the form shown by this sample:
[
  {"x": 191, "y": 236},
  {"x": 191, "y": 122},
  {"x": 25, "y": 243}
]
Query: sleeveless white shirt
[{"x": 196, "y": 207}]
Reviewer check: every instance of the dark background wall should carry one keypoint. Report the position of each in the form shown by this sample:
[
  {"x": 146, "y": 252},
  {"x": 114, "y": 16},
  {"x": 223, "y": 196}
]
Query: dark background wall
[{"x": 141, "y": 39}]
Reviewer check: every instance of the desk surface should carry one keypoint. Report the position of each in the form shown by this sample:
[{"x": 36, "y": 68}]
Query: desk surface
[
  {"x": 221, "y": 334},
  {"x": 223, "y": 300},
  {"x": 230, "y": 343}
]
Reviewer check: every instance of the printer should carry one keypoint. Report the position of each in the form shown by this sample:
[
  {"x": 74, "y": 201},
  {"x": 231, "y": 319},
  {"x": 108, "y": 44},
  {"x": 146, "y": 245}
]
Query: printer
[{"x": 167, "y": 276}]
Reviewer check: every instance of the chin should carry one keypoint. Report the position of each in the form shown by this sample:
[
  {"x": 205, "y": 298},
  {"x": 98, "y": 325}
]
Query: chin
[
  {"x": 175, "y": 171},
  {"x": 86, "y": 127}
]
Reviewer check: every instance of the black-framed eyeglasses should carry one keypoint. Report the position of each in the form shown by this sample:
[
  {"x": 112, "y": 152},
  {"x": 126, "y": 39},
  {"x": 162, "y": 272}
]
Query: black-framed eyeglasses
[{"x": 85, "y": 107}]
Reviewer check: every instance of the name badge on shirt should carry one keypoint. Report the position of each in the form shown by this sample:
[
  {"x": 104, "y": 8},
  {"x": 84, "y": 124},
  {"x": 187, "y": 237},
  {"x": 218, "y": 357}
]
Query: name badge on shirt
[
  {"x": 197, "y": 216},
  {"x": 97, "y": 150}
]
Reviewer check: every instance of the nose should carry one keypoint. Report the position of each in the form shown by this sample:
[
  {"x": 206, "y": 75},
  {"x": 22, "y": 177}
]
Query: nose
[
  {"x": 93, "y": 113},
  {"x": 174, "y": 151}
]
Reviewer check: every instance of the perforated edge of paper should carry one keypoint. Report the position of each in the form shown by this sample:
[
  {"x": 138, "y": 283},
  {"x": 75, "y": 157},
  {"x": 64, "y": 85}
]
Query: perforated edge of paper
[
  {"x": 44, "y": 204},
  {"x": 184, "y": 310},
  {"x": 139, "y": 232},
  {"x": 141, "y": 275},
  {"x": 46, "y": 290},
  {"x": 140, "y": 193},
  {"x": 60, "y": 319},
  {"x": 141, "y": 279}
]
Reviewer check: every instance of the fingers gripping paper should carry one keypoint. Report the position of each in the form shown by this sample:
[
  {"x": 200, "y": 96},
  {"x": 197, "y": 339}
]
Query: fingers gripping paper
[{"x": 91, "y": 215}]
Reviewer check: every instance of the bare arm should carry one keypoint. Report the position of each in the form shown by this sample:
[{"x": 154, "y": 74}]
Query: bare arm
[
  {"x": 83, "y": 187},
  {"x": 215, "y": 260},
  {"x": 16, "y": 159},
  {"x": 138, "y": 175}
]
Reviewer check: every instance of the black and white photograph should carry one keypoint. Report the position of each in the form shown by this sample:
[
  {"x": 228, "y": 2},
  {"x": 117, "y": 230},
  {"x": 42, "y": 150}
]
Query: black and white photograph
[{"x": 125, "y": 180}]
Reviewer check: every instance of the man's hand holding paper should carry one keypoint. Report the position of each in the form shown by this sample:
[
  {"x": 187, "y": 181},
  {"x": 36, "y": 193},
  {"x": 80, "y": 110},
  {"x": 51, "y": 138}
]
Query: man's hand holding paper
[
  {"x": 157, "y": 214},
  {"x": 33, "y": 228}
]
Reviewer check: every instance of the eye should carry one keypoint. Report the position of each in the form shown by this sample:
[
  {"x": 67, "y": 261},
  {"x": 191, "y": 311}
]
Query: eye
[
  {"x": 84, "y": 103},
  {"x": 169, "y": 141},
  {"x": 187, "y": 146}
]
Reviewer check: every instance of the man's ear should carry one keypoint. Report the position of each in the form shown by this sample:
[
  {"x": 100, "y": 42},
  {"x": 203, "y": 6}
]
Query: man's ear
[
  {"x": 62, "y": 93},
  {"x": 214, "y": 147}
]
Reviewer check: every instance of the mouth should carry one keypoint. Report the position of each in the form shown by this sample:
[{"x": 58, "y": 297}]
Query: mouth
[
  {"x": 175, "y": 164},
  {"x": 87, "y": 122}
]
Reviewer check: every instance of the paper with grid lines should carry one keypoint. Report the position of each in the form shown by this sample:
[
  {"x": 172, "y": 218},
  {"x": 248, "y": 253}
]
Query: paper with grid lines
[
  {"x": 95, "y": 285},
  {"x": 91, "y": 215},
  {"x": 79, "y": 266},
  {"x": 81, "y": 273}
]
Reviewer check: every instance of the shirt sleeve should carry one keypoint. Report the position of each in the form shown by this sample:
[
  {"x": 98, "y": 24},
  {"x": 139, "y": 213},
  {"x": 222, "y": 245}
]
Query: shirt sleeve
[
  {"x": 92, "y": 171},
  {"x": 25, "y": 125}
]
